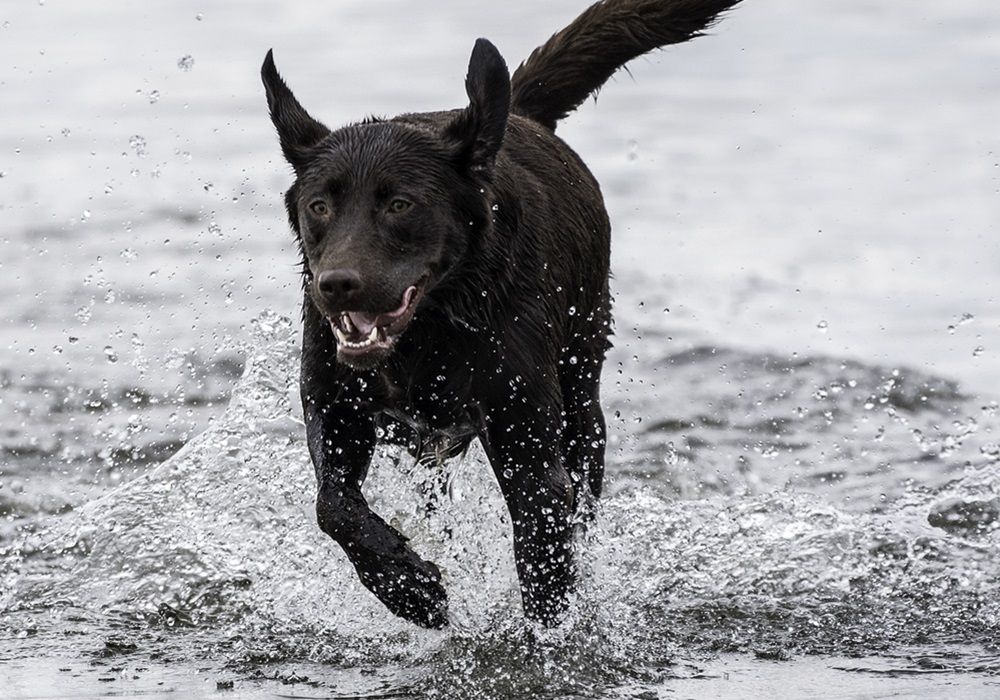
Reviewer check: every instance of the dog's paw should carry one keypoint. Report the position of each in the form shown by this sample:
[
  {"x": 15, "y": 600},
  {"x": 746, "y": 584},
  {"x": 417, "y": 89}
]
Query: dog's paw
[{"x": 410, "y": 587}]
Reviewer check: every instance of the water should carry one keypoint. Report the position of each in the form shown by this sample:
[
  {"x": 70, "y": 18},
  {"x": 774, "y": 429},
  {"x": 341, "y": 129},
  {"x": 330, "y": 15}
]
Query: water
[{"x": 803, "y": 489}]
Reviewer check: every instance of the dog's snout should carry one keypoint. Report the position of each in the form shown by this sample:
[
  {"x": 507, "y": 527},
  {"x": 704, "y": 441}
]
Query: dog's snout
[{"x": 341, "y": 285}]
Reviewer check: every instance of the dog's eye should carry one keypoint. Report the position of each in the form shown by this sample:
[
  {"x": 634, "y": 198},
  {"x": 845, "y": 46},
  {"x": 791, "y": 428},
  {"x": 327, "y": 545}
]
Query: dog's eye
[
  {"x": 319, "y": 208},
  {"x": 398, "y": 206}
]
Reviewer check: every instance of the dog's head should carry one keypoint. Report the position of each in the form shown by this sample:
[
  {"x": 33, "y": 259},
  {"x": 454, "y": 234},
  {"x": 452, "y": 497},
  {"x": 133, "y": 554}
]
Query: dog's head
[{"x": 384, "y": 210}]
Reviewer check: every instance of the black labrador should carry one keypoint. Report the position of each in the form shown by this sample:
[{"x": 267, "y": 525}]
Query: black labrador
[{"x": 455, "y": 267}]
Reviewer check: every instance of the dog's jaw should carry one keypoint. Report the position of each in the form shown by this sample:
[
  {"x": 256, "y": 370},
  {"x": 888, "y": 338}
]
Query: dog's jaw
[{"x": 365, "y": 339}]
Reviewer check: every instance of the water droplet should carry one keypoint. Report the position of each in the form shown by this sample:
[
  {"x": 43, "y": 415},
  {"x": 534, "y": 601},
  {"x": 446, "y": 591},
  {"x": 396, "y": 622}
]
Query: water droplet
[
  {"x": 199, "y": 16},
  {"x": 964, "y": 319},
  {"x": 186, "y": 62},
  {"x": 979, "y": 350},
  {"x": 633, "y": 151},
  {"x": 138, "y": 144},
  {"x": 215, "y": 229},
  {"x": 83, "y": 314},
  {"x": 86, "y": 215},
  {"x": 153, "y": 96},
  {"x": 572, "y": 311},
  {"x": 822, "y": 326},
  {"x": 109, "y": 352}
]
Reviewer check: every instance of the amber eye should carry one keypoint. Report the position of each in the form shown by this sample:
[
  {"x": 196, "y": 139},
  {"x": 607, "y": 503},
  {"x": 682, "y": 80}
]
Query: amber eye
[
  {"x": 319, "y": 208},
  {"x": 398, "y": 206}
]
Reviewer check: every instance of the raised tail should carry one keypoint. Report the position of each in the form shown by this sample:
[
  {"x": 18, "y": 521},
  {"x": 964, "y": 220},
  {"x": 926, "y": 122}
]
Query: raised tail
[{"x": 573, "y": 64}]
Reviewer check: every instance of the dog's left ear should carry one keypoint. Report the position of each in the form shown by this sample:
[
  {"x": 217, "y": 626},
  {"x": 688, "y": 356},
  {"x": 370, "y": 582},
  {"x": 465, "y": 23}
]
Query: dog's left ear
[
  {"x": 297, "y": 131},
  {"x": 477, "y": 132}
]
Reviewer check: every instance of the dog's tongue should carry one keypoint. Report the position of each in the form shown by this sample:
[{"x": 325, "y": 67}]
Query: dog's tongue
[{"x": 365, "y": 321}]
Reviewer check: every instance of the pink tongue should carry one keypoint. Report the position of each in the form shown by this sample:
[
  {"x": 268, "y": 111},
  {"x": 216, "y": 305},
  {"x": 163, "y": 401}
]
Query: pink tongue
[{"x": 364, "y": 321}]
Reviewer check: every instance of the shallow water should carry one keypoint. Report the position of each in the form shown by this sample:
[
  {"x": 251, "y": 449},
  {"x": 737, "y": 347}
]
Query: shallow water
[{"x": 803, "y": 470}]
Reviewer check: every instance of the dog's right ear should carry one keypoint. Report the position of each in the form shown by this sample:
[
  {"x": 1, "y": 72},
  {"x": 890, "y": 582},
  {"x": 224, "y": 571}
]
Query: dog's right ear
[
  {"x": 297, "y": 131},
  {"x": 478, "y": 130}
]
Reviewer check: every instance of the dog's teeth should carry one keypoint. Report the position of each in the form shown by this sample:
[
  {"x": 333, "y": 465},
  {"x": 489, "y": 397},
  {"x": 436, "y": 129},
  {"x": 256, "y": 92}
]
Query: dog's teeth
[
  {"x": 373, "y": 336},
  {"x": 346, "y": 320},
  {"x": 341, "y": 336}
]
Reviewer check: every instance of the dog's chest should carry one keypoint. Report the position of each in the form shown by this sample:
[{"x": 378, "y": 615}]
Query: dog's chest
[{"x": 431, "y": 413}]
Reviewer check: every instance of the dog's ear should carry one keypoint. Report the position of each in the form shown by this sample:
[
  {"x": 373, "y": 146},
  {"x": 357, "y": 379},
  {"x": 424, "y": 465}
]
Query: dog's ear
[
  {"x": 477, "y": 132},
  {"x": 297, "y": 131}
]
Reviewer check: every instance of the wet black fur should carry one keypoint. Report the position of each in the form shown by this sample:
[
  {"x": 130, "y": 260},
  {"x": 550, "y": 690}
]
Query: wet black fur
[{"x": 506, "y": 230}]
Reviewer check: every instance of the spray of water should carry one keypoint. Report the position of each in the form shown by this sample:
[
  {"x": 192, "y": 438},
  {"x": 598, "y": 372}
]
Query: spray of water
[{"x": 215, "y": 553}]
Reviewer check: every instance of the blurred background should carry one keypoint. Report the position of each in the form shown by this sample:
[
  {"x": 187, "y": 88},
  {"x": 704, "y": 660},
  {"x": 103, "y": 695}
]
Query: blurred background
[{"x": 816, "y": 178}]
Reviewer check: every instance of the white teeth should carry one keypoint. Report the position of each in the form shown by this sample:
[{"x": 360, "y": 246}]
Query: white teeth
[{"x": 342, "y": 338}]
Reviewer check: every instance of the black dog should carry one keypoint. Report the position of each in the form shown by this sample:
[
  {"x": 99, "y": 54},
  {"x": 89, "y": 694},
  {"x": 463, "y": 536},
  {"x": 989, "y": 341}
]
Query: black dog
[{"x": 456, "y": 287}]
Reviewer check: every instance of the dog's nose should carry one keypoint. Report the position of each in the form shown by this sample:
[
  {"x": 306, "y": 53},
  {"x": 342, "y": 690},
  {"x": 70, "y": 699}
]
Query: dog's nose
[{"x": 341, "y": 285}]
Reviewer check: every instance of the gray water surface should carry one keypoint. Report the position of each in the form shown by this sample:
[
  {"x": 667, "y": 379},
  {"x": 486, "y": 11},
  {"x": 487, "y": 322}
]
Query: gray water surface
[{"x": 804, "y": 470}]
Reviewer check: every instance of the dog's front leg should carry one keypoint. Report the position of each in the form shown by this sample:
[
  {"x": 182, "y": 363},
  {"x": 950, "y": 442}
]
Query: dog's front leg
[
  {"x": 342, "y": 442},
  {"x": 522, "y": 449},
  {"x": 341, "y": 438}
]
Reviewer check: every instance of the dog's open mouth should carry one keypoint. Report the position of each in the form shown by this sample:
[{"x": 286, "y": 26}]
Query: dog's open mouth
[{"x": 361, "y": 334}]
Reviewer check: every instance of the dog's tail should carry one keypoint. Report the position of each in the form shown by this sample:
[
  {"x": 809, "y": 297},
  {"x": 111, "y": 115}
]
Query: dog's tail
[{"x": 573, "y": 64}]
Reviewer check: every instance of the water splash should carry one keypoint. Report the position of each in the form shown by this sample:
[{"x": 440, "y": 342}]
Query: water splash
[{"x": 214, "y": 558}]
